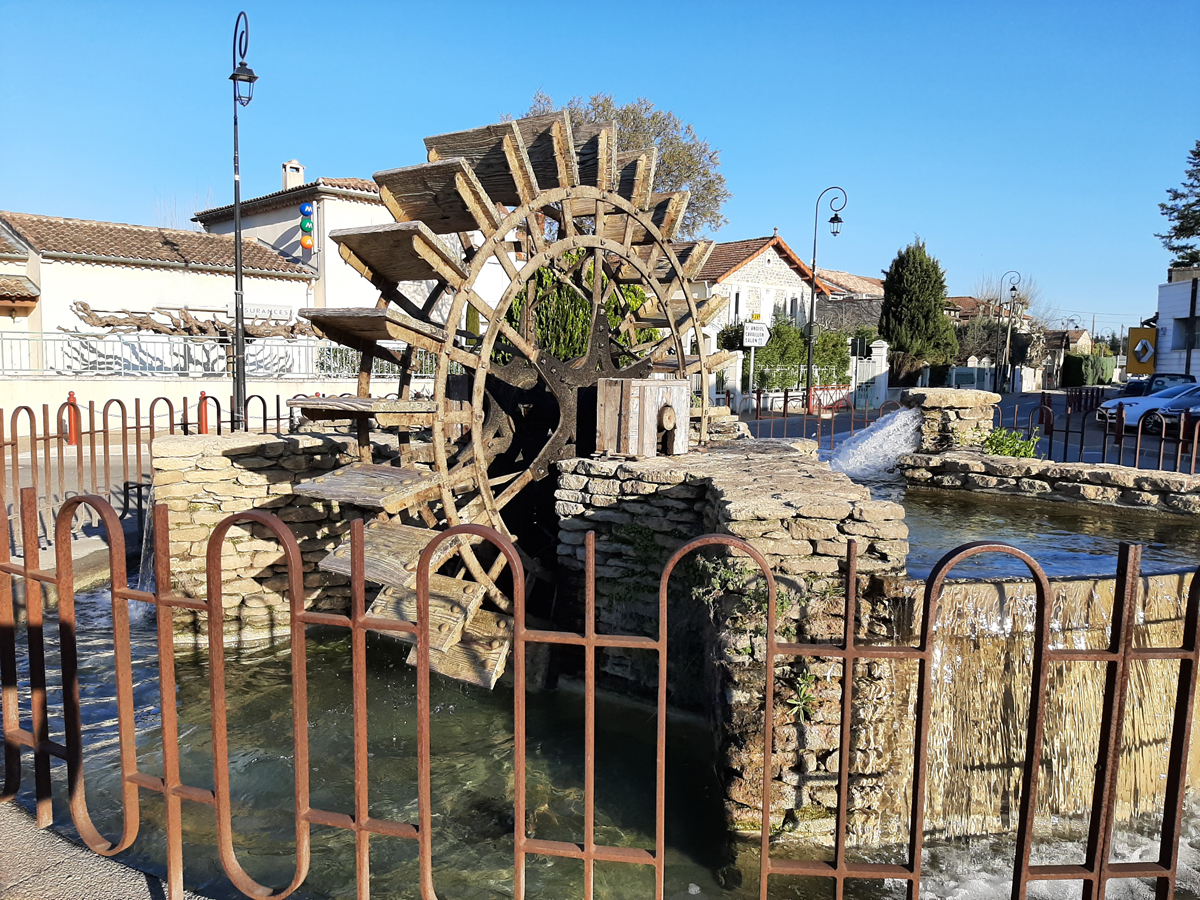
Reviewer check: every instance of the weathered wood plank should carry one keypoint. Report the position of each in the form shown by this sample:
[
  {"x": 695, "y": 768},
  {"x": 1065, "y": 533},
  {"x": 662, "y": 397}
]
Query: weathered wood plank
[
  {"x": 402, "y": 251},
  {"x": 594, "y": 151},
  {"x": 714, "y": 361},
  {"x": 480, "y": 657},
  {"x": 429, "y": 192},
  {"x": 664, "y": 210},
  {"x": 484, "y": 150},
  {"x": 391, "y": 552},
  {"x": 452, "y": 604},
  {"x": 373, "y": 487},
  {"x": 363, "y": 404},
  {"x": 375, "y": 325},
  {"x": 543, "y": 137},
  {"x": 635, "y": 175}
]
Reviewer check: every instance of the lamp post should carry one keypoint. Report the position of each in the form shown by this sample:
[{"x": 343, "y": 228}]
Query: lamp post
[
  {"x": 243, "y": 79},
  {"x": 997, "y": 369},
  {"x": 1012, "y": 282},
  {"x": 835, "y": 227}
]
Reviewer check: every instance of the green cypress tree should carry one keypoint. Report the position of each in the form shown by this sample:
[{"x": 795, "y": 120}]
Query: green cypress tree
[
  {"x": 913, "y": 320},
  {"x": 1183, "y": 212}
]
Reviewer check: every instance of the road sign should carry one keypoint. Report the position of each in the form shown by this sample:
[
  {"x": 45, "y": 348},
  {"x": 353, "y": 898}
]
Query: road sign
[{"x": 755, "y": 334}]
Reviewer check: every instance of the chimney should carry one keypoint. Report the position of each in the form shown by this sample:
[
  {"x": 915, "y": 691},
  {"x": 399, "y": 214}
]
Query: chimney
[{"x": 293, "y": 174}]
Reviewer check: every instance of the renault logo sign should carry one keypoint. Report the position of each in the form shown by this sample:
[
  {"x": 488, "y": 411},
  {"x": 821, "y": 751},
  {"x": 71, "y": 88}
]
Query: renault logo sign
[{"x": 1143, "y": 351}]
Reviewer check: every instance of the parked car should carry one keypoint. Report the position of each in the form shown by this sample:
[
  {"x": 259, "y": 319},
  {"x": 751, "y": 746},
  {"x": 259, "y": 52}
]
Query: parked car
[
  {"x": 1159, "y": 381},
  {"x": 1137, "y": 407},
  {"x": 1173, "y": 409}
]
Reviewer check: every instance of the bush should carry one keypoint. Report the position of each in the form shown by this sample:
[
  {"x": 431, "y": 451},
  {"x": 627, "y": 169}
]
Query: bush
[
  {"x": 1080, "y": 369},
  {"x": 1010, "y": 442}
]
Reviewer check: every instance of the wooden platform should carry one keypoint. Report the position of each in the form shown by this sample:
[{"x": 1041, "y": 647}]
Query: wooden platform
[
  {"x": 400, "y": 251},
  {"x": 373, "y": 486},
  {"x": 355, "y": 327},
  {"x": 403, "y": 413},
  {"x": 480, "y": 657},
  {"x": 453, "y": 603},
  {"x": 391, "y": 552}
]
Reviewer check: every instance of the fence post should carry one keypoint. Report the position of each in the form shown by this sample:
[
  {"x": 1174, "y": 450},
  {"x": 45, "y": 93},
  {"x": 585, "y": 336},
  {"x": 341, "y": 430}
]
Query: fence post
[
  {"x": 72, "y": 420},
  {"x": 202, "y": 413}
]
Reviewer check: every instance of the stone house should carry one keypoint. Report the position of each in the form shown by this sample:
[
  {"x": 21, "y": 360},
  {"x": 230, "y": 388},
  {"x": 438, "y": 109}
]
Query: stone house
[{"x": 760, "y": 277}]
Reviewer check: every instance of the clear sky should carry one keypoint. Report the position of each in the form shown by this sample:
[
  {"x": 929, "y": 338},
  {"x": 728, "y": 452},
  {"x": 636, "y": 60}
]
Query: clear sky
[{"x": 1036, "y": 136}]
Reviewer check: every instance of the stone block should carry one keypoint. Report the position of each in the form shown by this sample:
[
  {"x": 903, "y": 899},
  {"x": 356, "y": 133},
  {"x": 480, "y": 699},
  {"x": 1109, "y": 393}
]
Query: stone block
[
  {"x": 210, "y": 476},
  {"x": 569, "y": 496},
  {"x": 563, "y": 509},
  {"x": 214, "y": 462},
  {"x": 1032, "y": 486},
  {"x": 990, "y": 482},
  {"x": 811, "y": 529},
  {"x": 174, "y": 463},
  {"x": 572, "y": 482},
  {"x": 877, "y": 511},
  {"x": 948, "y": 481},
  {"x": 1092, "y": 492},
  {"x": 885, "y": 531},
  {"x": 1188, "y": 503},
  {"x": 782, "y": 548},
  {"x": 1141, "y": 498}
]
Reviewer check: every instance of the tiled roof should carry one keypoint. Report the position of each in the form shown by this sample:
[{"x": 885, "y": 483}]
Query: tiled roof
[
  {"x": 51, "y": 236},
  {"x": 17, "y": 287},
  {"x": 726, "y": 258},
  {"x": 854, "y": 284},
  {"x": 7, "y": 248},
  {"x": 369, "y": 189}
]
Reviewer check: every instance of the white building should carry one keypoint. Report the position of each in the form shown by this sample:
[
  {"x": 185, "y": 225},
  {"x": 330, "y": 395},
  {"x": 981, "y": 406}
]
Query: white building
[
  {"x": 274, "y": 219},
  {"x": 114, "y": 267},
  {"x": 1178, "y": 309}
]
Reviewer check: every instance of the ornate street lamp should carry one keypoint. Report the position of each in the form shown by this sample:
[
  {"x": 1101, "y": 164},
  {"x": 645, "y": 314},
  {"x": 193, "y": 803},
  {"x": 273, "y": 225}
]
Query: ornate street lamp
[
  {"x": 1013, "y": 294},
  {"x": 835, "y": 227},
  {"x": 243, "y": 79}
]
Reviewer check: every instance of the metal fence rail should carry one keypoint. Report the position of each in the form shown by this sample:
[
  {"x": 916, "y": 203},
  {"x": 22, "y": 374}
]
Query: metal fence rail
[
  {"x": 20, "y": 739},
  {"x": 155, "y": 356}
]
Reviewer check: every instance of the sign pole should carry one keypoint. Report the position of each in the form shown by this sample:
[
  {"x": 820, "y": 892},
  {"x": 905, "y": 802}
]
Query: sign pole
[{"x": 751, "y": 371}]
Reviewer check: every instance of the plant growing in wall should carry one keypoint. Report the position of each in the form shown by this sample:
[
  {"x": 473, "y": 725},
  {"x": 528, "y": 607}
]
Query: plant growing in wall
[{"x": 1010, "y": 442}]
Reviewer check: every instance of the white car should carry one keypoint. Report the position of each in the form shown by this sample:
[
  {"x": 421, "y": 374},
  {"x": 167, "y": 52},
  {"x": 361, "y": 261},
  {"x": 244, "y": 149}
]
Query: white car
[{"x": 1136, "y": 407}]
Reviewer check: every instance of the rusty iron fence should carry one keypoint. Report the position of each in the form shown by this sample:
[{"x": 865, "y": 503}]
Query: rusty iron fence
[
  {"x": 1081, "y": 432},
  {"x": 824, "y": 423},
  {"x": 33, "y": 737}
]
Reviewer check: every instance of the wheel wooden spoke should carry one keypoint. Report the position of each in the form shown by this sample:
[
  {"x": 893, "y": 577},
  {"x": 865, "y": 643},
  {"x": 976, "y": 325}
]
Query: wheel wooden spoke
[{"x": 496, "y": 189}]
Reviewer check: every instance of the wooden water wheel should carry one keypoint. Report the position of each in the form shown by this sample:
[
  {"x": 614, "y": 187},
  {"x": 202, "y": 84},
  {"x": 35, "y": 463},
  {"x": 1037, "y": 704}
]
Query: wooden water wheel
[{"x": 517, "y": 226}]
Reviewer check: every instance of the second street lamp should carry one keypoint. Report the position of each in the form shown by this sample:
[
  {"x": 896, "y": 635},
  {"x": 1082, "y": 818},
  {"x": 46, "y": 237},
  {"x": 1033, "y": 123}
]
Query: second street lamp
[
  {"x": 835, "y": 227},
  {"x": 243, "y": 79}
]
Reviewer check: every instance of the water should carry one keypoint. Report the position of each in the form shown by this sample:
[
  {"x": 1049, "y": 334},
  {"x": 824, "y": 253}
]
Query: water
[
  {"x": 472, "y": 774},
  {"x": 870, "y": 454},
  {"x": 1069, "y": 540}
]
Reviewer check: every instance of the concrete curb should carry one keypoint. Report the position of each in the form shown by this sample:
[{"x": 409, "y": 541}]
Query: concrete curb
[{"x": 40, "y": 864}]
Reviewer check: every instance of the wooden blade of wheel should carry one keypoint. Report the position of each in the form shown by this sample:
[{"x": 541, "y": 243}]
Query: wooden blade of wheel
[
  {"x": 400, "y": 251},
  {"x": 436, "y": 193},
  {"x": 498, "y": 156},
  {"x": 665, "y": 211},
  {"x": 356, "y": 327}
]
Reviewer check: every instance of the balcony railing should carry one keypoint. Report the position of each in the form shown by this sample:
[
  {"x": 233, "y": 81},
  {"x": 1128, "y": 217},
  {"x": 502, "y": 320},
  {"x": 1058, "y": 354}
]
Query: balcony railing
[{"x": 155, "y": 356}]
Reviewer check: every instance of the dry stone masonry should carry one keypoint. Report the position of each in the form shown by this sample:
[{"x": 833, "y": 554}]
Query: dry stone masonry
[
  {"x": 1043, "y": 479},
  {"x": 204, "y": 478},
  {"x": 953, "y": 418},
  {"x": 800, "y": 515}
]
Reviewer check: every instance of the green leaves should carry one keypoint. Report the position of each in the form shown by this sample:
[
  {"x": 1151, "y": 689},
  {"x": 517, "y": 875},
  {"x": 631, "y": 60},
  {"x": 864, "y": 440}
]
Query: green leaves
[
  {"x": 1183, "y": 212},
  {"x": 913, "y": 319}
]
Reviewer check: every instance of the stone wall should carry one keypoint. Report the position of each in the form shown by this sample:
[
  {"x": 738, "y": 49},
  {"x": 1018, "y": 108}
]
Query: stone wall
[
  {"x": 800, "y": 515},
  {"x": 953, "y": 419},
  {"x": 204, "y": 478},
  {"x": 1098, "y": 483}
]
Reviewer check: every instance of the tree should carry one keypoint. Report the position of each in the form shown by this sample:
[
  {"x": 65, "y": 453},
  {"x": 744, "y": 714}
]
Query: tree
[
  {"x": 1182, "y": 210},
  {"x": 913, "y": 320},
  {"x": 685, "y": 162}
]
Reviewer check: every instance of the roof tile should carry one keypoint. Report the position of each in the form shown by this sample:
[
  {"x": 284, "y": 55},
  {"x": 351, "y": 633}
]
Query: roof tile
[
  {"x": 18, "y": 287},
  {"x": 144, "y": 244}
]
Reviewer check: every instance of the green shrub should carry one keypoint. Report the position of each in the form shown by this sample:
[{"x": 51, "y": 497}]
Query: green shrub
[{"x": 1010, "y": 442}]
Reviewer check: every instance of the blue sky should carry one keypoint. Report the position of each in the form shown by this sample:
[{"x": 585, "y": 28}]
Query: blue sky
[{"x": 1036, "y": 136}]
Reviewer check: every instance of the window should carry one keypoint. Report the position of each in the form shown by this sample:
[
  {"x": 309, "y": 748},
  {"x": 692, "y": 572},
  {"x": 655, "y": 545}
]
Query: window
[
  {"x": 737, "y": 307},
  {"x": 1179, "y": 335}
]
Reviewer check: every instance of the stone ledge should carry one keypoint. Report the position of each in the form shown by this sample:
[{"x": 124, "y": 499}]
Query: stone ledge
[{"x": 1105, "y": 484}]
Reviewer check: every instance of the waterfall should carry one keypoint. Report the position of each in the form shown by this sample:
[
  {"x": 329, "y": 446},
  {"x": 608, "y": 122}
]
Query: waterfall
[
  {"x": 872, "y": 453},
  {"x": 145, "y": 579}
]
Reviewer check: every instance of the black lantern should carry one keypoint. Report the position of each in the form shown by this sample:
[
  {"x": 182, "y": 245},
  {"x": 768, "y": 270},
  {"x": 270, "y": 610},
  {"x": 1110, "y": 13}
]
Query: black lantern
[
  {"x": 243, "y": 79},
  {"x": 1012, "y": 293},
  {"x": 835, "y": 224}
]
